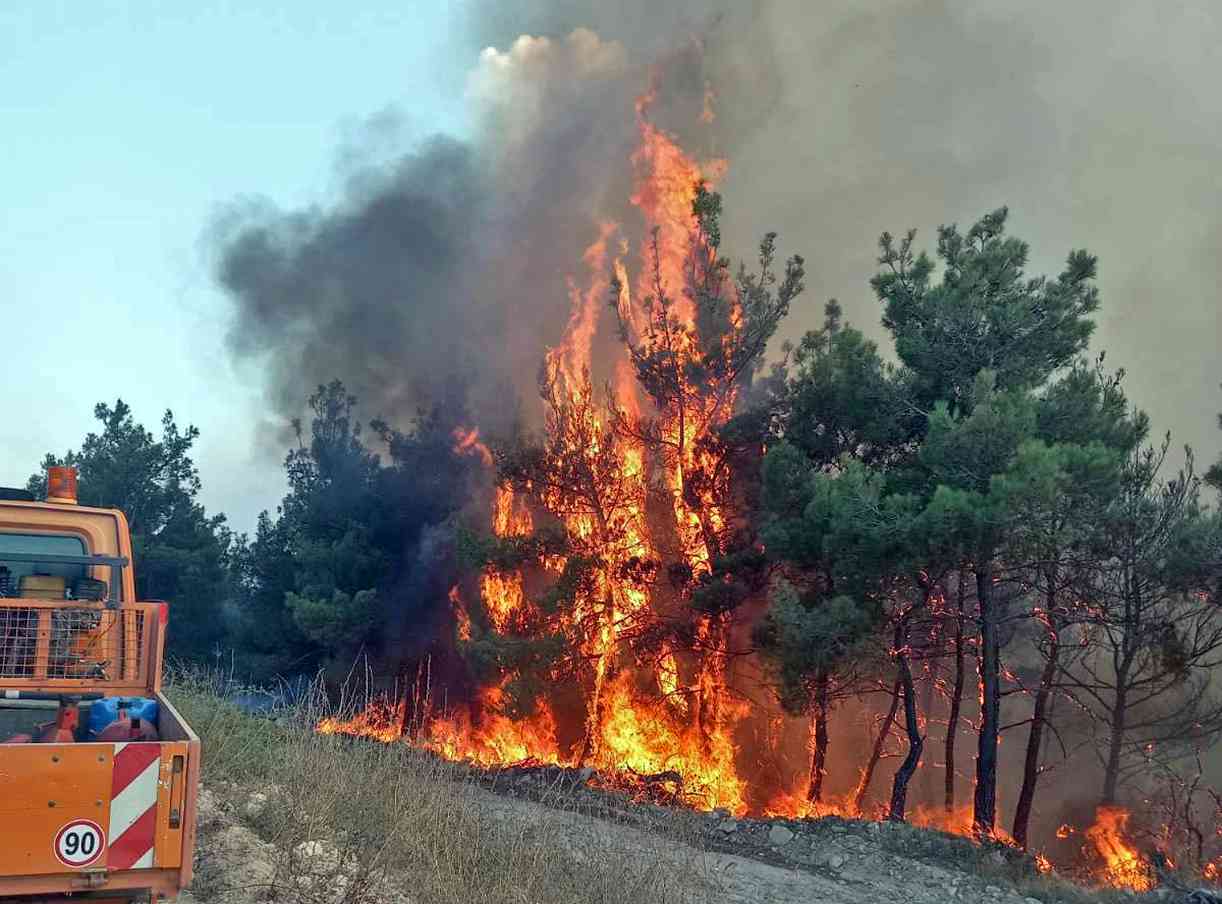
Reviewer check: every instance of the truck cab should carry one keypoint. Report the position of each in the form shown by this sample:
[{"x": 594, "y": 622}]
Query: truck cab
[{"x": 98, "y": 772}]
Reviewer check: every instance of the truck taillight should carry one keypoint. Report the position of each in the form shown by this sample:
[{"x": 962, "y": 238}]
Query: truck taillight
[
  {"x": 163, "y": 613},
  {"x": 61, "y": 485}
]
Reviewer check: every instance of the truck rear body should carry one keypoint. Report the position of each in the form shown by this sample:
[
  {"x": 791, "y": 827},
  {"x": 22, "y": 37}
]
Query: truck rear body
[{"x": 111, "y": 819}]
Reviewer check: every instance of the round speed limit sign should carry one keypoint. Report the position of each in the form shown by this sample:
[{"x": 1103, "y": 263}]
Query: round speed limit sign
[{"x": 79, "y": 843}]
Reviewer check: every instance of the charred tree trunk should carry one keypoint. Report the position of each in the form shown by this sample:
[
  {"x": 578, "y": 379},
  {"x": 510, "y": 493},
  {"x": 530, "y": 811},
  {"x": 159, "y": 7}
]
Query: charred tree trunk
[
  {"x": 710, "y": 682},
  {"x": 916, "y": 743},
  {"x": 1118, "y": 723},
  {"x": 984, "y": 815},
  {"x": 1039, "y": 718},
  {"x": 712, "y": 639},
  {"x": 602, "y": 671},
  {"x": 927, "y": 688},
  {"x": 416, "y": 705},
  {"x": 859, "y": 796},
  {"x": 956, "y": 700},
  {"x": 818, "y": 760}
]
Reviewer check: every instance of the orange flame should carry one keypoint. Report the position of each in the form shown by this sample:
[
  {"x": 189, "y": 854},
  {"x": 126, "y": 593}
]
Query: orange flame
[
  {"x": 1123, "y": 866},
  {"x": 467, "y": 441},
  {"x": 381, "y": 721},
  {"x": 461, "y": 618}
]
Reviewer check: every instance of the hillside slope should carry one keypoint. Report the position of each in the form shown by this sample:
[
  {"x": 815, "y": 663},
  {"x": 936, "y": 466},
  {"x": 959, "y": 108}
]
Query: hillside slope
[{"x": 288, "y": 815}]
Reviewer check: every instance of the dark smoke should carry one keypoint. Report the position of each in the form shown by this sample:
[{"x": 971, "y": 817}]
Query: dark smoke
[
  {"x": 369, "y": 291},
  {"x": 450, "y": 264}
]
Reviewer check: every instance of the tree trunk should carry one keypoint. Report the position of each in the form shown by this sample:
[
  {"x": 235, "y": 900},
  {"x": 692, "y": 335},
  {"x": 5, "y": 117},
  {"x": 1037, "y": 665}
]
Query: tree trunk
[
  {"x": 1118, "y": 725},
  {"x": 984, "y": 816},
  {"x": 1039, "y": 716},
  {"x": 710, "y": 682},
  {"x": 927, "y": 779},
  {"x": 956, "y": 701},
  {"x": 859, "y": 797},
  {"x": 899, "y": 789},
  {"x": 818, "y": 762},
  {"x": 594, "y": 708}
]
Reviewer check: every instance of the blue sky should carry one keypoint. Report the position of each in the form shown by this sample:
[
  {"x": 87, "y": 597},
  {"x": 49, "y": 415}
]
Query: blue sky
[{"x": 125, "y": 128}]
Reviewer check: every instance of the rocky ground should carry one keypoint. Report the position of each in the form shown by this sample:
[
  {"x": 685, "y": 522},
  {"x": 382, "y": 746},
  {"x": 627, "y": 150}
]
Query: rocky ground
[
  {"x": 290, "y": 815},
  {"x": 787, "y": 863},
  {"x": 727, "y": 860}
]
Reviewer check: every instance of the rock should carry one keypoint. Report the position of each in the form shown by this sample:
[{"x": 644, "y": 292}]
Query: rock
[
  {"x": 829, "y": 858},
  {"x": 1032, "y": 901},
  {"x": 319, "y": 857},
  {"x": 779, "y": 835},
  {"x": 992, "y": 890},
  {"x": 728, "y": 825},
  {"x": 255, "y": 805},
  {"x": 239, "y": 851},
  {"x": 208, "y": 808}
]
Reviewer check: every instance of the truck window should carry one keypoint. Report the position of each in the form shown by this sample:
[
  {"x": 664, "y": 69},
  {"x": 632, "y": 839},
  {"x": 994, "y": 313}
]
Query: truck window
[{"x": 46, "y": 580}]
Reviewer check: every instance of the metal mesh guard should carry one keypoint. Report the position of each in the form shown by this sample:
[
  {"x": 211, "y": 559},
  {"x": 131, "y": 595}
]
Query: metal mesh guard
[{"x": 68, "y": 643}]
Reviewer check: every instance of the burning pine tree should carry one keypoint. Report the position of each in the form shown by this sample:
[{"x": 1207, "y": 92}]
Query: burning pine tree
[{"x": 604, "y": 625}]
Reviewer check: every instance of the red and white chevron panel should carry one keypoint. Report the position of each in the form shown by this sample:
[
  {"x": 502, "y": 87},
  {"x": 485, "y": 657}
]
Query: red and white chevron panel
[{"x": 133, "y": 805}]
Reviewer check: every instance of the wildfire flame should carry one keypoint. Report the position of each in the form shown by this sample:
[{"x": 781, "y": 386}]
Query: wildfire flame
[
  {"x": 1124, "y": 866},
  {"x": 467, "y": 441},
  {"x": 648, "y": 716},
  {"x": 380, "y": 721}
]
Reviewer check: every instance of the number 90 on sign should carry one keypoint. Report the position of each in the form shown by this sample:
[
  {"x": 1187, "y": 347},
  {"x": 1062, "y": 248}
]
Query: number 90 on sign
[{"x": 79, "y": 843}]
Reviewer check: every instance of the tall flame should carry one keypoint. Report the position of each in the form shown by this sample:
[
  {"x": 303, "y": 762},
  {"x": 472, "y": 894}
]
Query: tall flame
[
  {"x": 1124, "y": 867},
  {"x": 646, "y": 715}
]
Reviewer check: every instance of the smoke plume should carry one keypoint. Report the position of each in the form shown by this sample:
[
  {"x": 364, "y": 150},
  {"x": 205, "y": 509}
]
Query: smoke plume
[
  {"x": 1098, "y": 123},
  {"x": 449, "y": 264}
]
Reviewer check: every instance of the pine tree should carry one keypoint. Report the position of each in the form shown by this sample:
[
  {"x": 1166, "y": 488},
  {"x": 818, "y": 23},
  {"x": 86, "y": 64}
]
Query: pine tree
[{"x": 182, "y": 554}]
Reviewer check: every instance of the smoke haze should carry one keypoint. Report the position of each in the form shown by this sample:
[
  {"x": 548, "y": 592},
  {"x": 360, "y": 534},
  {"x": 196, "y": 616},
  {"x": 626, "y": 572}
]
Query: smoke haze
[{"x": 1098, "y": 123}]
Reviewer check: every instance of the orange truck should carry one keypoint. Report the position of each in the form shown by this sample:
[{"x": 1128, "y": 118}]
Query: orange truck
[{"x": 99, "y": 774}]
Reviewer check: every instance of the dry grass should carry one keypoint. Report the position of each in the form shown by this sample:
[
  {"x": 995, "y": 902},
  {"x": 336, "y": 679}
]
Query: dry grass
[
  {"x": 328, "y": 819},
  {"x": 317, "y": 819}
]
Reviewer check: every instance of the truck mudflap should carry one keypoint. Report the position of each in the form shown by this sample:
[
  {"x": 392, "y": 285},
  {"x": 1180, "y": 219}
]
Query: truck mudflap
[{"x": 96, "y": 816}]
